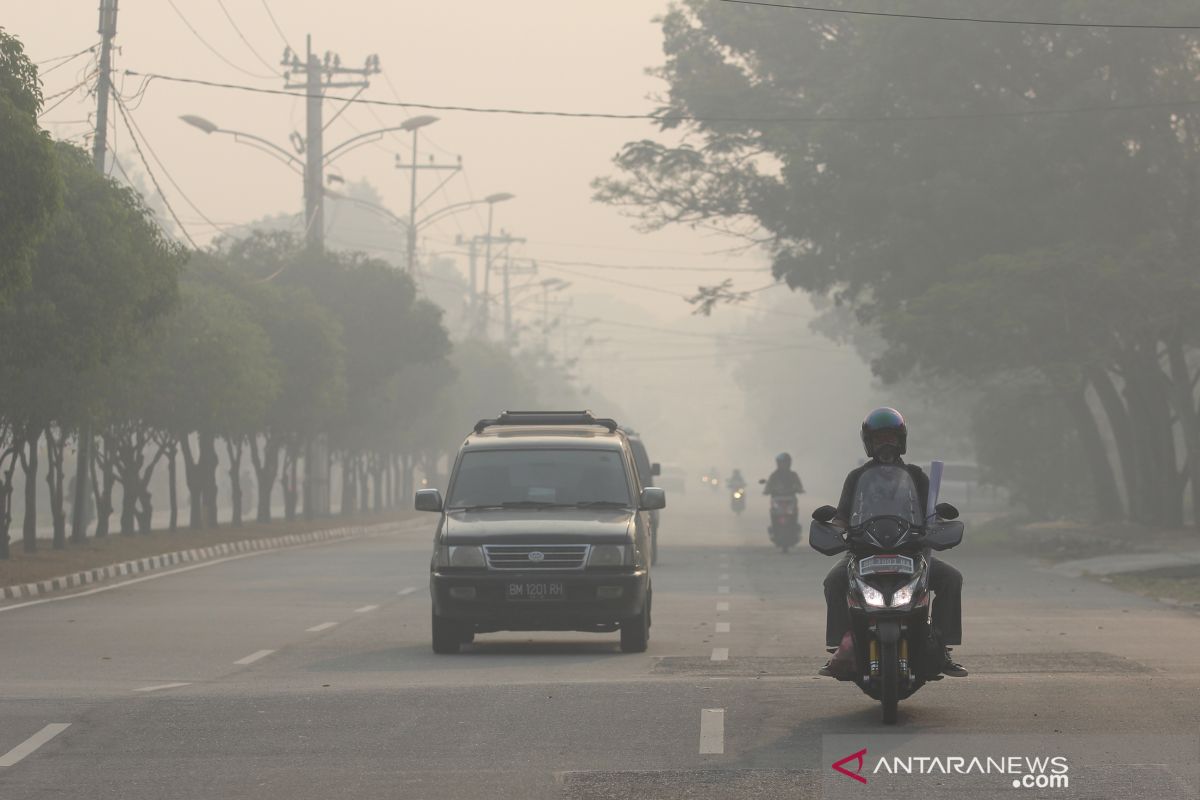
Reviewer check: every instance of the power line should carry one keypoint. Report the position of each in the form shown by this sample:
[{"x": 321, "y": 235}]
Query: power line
[
  {"x": 150, "y": 172},
  {"x": 65, "y": 60},
  {"x": 982, "y": 20},
  {"x": 278, "y": 29},
  {"x": 64, "y": 95},
  {"x": 680, "y": 117},
  {"x": 211, "y": 49},
  {"x": 242, "y": 36}
]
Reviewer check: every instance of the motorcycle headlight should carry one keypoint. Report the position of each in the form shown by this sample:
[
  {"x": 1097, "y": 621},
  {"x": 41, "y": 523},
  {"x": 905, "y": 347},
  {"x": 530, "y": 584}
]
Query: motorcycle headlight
[
  {"x": 607, "y": 555},
  {"x": 872, "y": 596},
  {"x": 904, "y": 594},
  {"x": 469, "y": 556}
]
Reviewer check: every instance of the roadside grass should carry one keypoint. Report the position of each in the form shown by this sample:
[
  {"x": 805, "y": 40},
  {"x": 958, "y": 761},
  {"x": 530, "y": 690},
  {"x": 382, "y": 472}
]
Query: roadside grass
[
  {"x": 1180, "y": 584},
  {"x": 46, "y": 563}
]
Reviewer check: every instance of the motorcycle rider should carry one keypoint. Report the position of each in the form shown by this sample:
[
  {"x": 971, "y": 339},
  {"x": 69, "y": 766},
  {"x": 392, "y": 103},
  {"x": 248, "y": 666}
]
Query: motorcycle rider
[
  {"x": 783, "y": 481},
  {"x": 736, "y": 481},
  {"x": 885, "y": 438}
]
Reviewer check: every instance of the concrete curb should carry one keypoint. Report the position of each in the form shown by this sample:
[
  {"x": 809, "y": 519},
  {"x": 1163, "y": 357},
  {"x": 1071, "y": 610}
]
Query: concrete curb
[{"x": 178, "y": 557}]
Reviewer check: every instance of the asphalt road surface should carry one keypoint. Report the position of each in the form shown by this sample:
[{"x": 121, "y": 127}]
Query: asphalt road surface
[{"x": 307, "y": 673}]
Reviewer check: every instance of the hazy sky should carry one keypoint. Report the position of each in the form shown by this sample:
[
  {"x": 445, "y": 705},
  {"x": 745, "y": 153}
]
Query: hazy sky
[{"x": 532, "y": 54}]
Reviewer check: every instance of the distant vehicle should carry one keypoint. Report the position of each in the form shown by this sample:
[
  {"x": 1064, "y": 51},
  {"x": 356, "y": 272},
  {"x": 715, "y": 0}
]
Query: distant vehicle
[
  {"x": 544, "y": 527},
  {"x": 673, "y": 478},
  {"x": 646, "y": 472}
]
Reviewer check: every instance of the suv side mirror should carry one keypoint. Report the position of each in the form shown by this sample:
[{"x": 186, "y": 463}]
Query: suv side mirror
[
  {"x": 824, "y": 514},
  {"x": 656, "y": 468},
  {"x": 429, "y": 500},
  {"x": 946, "y": 511},
  {"x": 653, "y": 498}
]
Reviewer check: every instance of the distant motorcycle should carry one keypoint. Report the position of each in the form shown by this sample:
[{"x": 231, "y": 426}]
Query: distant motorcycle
[
  {"x": 738, "y": 500},
  {"x": 895, "y": 650},
  {"x": 784, "y": 529}
]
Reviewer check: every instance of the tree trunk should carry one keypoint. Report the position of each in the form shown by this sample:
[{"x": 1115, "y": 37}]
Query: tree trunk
[
  {"x": 6, "y": 493},
  {"x": 1104, "y": 484},
  {"x": 55, "y": 449},
  {"x": 1118, "y": 423},
  {"x": 1184, "y": 402},
  {"x": 349, "y": 488},
  {"x": 207, "y": 443},
  {"x": 29, "y": 466},
  {"x": 102, "y": 489},
  {"x": 234, "y": 450},
  {"x": 172, "y": 490},
  {"x": 191, "y": 472},
  {"x": 266, "y": 470},
  {"x": 288, "y": 481}
]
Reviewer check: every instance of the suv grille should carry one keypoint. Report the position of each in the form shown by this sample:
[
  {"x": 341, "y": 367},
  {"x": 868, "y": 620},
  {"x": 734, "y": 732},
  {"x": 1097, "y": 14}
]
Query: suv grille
[{"x": 553, "y": 556}]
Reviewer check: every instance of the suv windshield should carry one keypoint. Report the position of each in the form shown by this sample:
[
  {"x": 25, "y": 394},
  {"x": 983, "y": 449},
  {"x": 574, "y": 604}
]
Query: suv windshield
[
  {"x": 885, "y": 491},
  {"x": 551, "y": 477}
]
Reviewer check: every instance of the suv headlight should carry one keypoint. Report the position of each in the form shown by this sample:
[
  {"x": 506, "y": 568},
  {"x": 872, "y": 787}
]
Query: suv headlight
[
  {"x": 608, "y": 555},
  {"x": 460, "y": 555},
  {"x": 871, "y": 596}
]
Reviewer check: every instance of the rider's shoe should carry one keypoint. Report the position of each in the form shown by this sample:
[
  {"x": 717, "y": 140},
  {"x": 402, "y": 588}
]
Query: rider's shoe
[{"x": 949, "y": 667}]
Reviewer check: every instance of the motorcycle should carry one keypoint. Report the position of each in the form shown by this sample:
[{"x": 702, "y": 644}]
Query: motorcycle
[
  {"x": 784, "y": 529},
  {"x": 737, "y": 501},
  {"x": 895, "y": 649}
]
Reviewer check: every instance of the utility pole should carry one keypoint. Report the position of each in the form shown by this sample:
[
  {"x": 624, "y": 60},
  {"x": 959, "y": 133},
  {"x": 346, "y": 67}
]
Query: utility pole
[
  {"x": 318, "y": 76},
  {"x": 509, "y": 270},
  {"x": 502, "y": 239},
  {"x": 413, "y": 125},
  {"x": 83, "y": 452}
]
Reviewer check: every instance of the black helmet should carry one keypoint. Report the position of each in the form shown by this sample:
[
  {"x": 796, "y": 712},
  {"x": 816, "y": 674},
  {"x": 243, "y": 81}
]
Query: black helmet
[
  {"x": 784, "y": 461},
  {"x": 884, "y": 419}
]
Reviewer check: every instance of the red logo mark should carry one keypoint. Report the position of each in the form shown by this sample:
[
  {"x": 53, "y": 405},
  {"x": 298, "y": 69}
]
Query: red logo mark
[{"x": 840, "y": 766}]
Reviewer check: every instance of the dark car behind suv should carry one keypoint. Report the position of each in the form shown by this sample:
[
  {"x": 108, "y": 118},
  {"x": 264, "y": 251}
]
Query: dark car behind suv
[{"x": 544, "y": 526}]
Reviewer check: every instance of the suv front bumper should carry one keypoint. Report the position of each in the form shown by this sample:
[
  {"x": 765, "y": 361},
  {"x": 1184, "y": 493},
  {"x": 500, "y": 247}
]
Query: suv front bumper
[{"x": 590, "y": 600}]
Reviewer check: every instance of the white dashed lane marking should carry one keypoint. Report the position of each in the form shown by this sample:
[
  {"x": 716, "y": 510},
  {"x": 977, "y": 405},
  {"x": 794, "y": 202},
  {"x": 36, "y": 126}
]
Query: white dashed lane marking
[
  {"x": 722, "y": 606},
  {"x": 407, "y": 591},
  {"x": 365, "y": 609},
  {"x": 723, "y": 577},
  {"x": 722, "y": 627},
  {"x": 324, "y": 626},
  {"x": 720, "y": 654},
  {"x": 31, "y": 744},
  {"x": 159, "y": 687},
  {"x": 722, "y": 590},
  {"x": 250, "y": 659},
  {"x": 712, "y": 731}
]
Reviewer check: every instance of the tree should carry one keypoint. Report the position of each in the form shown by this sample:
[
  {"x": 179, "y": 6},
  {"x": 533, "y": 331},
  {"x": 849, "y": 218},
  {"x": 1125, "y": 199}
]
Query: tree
[{"x": 31, "y": 189}]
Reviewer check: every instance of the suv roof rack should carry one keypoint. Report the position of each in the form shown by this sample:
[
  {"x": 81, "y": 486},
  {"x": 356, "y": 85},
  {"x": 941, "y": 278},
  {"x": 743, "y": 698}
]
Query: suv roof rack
[{"x": 546, "y": 418}]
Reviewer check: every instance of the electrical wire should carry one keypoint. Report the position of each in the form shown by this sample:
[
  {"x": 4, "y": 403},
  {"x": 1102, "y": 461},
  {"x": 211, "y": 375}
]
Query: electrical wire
[
  {"x": 663, "y": 118},
  {"x": 212, "y": 49},
  {"x": 65, "y": 60},
  {"x": 136, "y": 146},
  {"x": 278, "y": 29},
  {"x": 65, "y": 94},
  {"x": 982, "y": 20},
  {"x": 246, "y": 41},
  {"x": 132, "y": 125}
]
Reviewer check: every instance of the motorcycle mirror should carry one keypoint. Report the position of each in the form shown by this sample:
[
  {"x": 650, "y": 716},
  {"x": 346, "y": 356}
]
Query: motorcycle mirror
[
  {"x": 946, "y": 511},
  {"x": 824, "y": 514}
]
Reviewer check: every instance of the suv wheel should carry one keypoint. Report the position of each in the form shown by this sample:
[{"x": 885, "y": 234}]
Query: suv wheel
[
  {"x": 635, "y": 631},
  {"x": 447, "y": 636}
]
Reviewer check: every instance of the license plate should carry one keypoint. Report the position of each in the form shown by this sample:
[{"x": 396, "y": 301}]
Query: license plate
[
  {"x": 535, "y": 591},
  {"x": 877, "y": 565}
]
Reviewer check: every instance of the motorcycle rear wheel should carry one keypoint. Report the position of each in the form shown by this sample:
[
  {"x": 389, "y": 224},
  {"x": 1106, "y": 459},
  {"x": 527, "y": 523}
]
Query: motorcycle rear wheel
[{"x": 889, "y": 679}]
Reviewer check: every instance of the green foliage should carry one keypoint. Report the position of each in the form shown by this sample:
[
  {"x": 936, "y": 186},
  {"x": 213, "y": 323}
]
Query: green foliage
[{"x": 30, "y": 186}]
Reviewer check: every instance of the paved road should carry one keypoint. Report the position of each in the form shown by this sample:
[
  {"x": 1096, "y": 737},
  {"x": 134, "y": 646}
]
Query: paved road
[{"x": 307, "y": 674}]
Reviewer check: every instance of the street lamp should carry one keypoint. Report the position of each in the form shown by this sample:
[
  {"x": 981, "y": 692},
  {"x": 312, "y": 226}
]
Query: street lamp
[{"x": 491, "y": 200}]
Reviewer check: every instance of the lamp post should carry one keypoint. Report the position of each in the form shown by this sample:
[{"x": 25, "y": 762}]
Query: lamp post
[{"x": 491, "y": 200}]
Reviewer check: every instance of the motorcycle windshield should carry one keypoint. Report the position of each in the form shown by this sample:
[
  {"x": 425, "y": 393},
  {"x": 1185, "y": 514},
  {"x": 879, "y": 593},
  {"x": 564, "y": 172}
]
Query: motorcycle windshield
[{"x": 886, "y": 491}]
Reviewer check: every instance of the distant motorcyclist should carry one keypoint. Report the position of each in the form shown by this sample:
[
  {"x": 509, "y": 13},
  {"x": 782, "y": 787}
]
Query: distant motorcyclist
[
  {"x": 783, "y": 480},
  {"x": 736, "y": 481},
  {"x": 885, "y": 438}
]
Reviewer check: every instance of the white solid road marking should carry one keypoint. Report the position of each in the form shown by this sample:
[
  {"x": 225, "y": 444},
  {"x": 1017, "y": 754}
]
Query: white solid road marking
[
  {"x": 250, "y": 659},
  {"x": 161, "y": 686},
  {"x": 409, "y": 590},
  {"x": 722, "y": 606},
  {"x": 722, "y": 627},
  {"x": 722, "y": 590},
  {"x": 720, "y": 654},
  {"x": 365, "y": 609},
  {"x": 324, "y": 626},
  {"x": 33, "y": 743},
  {"x": 712, "y": 731}
]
